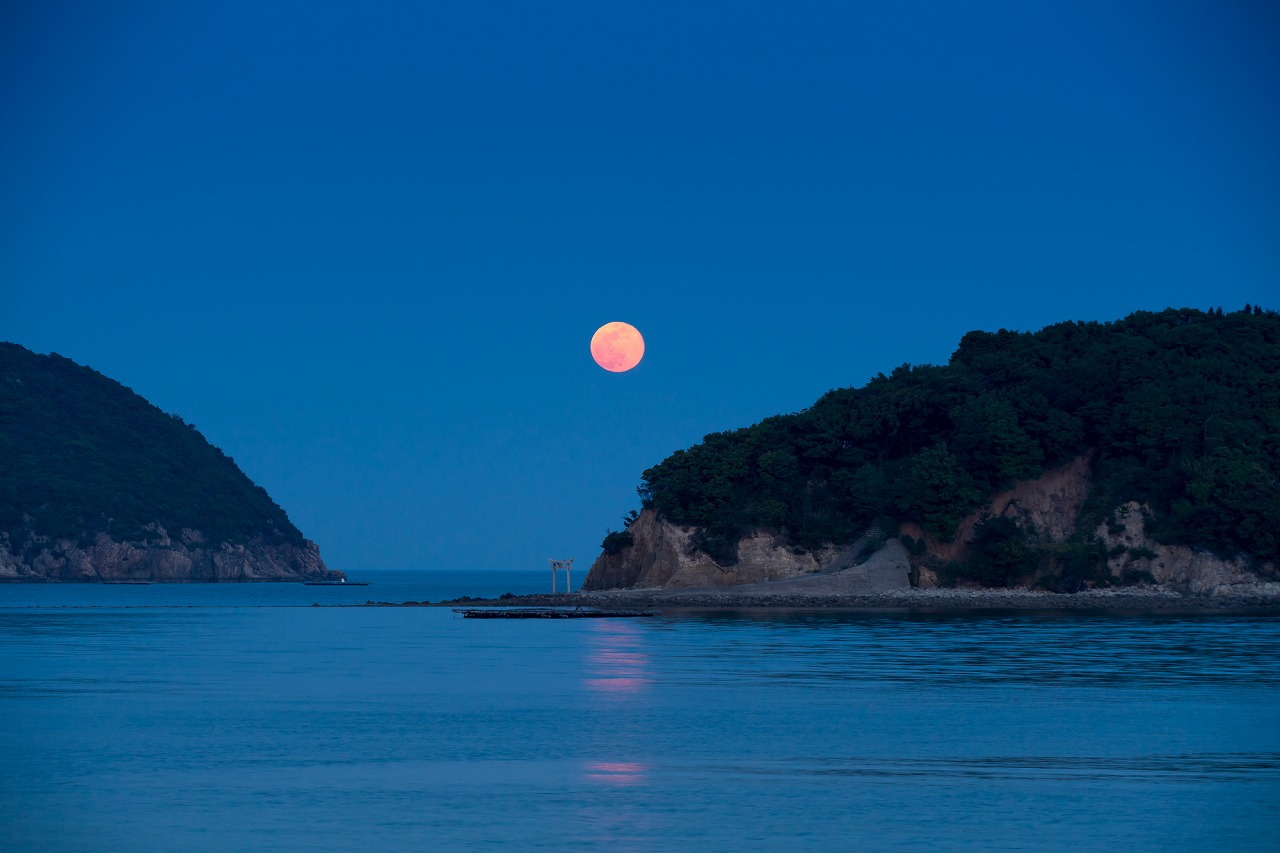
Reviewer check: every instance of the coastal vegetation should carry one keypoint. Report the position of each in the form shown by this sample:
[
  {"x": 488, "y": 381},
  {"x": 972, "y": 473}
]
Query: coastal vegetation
[
  {"x": 80, "y": 454},
  {"x": 1177, "y": 410}
]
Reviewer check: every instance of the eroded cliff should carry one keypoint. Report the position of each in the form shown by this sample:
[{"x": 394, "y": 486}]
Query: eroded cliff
[
  {"x": 1196, "y": 571},
  {"x": 663, "y": 555},
  {"x": 1049, "y": 505}
]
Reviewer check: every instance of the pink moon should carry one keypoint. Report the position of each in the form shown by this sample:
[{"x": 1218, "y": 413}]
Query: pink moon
[{"x": 617, "y": 347}]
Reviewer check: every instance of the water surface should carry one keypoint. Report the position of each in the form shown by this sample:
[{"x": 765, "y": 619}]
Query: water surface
[{"x": 239, "y": 717}]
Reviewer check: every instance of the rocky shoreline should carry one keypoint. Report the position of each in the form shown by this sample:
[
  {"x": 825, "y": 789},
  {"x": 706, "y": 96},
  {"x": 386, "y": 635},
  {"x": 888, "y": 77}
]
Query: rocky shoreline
[{"x": 1257, "y": 597}]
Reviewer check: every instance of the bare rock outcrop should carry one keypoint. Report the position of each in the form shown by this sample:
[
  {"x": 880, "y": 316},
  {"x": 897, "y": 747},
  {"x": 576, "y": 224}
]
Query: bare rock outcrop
[
  {"x": 885, "y": 570},
  {"x": 1049, "y": 505},
  {"x": 663, "y": 557},
  {"x": 160, "y": 557},
  {"x": 1197, "y": 572}
]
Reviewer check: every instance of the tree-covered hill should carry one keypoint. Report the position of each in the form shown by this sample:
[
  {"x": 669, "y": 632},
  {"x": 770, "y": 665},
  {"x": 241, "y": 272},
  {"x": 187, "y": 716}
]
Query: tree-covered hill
[
  {"x": 1180, "y": 410},
  {"x": 80, "y": 454}
]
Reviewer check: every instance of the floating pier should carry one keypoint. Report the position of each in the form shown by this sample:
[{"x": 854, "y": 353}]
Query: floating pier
[{"x": 548, "y": 613}]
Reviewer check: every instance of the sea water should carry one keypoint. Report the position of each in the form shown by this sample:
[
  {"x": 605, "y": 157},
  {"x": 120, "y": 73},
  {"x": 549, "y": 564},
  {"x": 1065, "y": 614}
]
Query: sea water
[{"x": 239, "y": 717}]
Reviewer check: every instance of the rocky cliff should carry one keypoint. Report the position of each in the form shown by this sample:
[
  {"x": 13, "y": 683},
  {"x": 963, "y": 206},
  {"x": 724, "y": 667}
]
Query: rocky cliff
[
  {"x": 158, "y": 557},
  {"x": 1197, "y": 572},
  {"x": 1049, "y": 506},
  {"x": 663, "y": 557}
]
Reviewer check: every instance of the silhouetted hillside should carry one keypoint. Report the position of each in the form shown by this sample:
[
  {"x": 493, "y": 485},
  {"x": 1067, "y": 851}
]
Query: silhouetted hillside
[{"x": 82, "y": 455}]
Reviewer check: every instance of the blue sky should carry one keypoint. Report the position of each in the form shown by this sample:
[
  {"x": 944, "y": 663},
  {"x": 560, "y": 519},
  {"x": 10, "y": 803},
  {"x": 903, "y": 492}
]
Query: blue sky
[{"x": 364, "y": 249}]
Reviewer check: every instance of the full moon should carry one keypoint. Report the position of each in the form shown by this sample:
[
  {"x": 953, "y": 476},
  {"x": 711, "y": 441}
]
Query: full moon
[{"x": 617, "y": 347}]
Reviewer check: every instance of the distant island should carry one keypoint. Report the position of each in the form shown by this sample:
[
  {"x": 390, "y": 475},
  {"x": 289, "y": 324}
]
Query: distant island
[
  {"x": 1082, "y": 456},
  {"x": 97, "y": 484}
]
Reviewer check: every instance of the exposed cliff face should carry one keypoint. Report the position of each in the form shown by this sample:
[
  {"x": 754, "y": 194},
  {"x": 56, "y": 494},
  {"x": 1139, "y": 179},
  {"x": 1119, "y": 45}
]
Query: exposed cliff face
[
  {"x": 160, "y": 558},
  {"x": 663, "y": 556},
  {"x": 1198, "y": 572},
  {"x": 1049, "y": 504}
]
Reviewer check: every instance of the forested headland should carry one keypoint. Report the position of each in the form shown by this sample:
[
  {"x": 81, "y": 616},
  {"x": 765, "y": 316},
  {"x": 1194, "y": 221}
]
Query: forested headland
[
  {"x": 1178, "y": 410},
  {"x": 83, "y": 456}
]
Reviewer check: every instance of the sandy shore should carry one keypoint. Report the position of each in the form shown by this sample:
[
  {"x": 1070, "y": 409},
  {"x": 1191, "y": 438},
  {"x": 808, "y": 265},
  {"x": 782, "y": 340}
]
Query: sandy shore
[{"x": 1264, "y": 597}]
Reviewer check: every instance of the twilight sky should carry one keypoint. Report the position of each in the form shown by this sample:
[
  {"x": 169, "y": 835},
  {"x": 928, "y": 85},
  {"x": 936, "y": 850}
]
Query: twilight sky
[{"x": 363, "y": 247}]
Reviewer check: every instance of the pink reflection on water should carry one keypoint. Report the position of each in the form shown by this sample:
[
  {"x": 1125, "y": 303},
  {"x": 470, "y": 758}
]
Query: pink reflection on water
[
  {"x": 616, "y": 685},
  {"x": 616, "y": 661},
  {"x": 632, "y": 659},
  {"x": 617, "y": 772}
]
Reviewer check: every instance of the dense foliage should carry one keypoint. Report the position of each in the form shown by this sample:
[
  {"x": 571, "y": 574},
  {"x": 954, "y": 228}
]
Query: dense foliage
[
  {"x": 82, "y": 454},
  {"x": 1180, "y": 408}
]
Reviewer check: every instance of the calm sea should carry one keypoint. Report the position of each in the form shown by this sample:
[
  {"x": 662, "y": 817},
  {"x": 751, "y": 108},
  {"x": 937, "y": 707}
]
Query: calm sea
[{"x": 238, "y": 717}]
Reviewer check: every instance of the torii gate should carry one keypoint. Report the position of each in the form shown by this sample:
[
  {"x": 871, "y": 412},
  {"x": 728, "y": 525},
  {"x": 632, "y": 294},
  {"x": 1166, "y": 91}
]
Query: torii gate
[{"x": 556, "y": 565}]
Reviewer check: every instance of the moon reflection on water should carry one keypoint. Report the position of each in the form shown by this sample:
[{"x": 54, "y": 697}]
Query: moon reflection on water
[{"x": 617, "y": 671}]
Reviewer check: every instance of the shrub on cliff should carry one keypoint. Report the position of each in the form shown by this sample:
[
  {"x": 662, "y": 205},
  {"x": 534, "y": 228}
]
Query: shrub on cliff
[{"x": 616, "y": 540}]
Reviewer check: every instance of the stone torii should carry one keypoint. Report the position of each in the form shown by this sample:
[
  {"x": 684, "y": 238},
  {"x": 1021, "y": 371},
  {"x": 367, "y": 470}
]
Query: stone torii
[{"x": 556, "y": 565}]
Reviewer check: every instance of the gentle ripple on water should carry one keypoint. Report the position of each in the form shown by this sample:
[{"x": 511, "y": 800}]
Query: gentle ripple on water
[
  {"x": 1149, "y": 769},
  {"x": 1071, "y": 649}
]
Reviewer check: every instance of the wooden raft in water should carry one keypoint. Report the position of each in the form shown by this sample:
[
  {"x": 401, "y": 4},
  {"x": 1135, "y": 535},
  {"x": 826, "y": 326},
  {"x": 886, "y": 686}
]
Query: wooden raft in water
[{"x": 547, "y": 613}]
